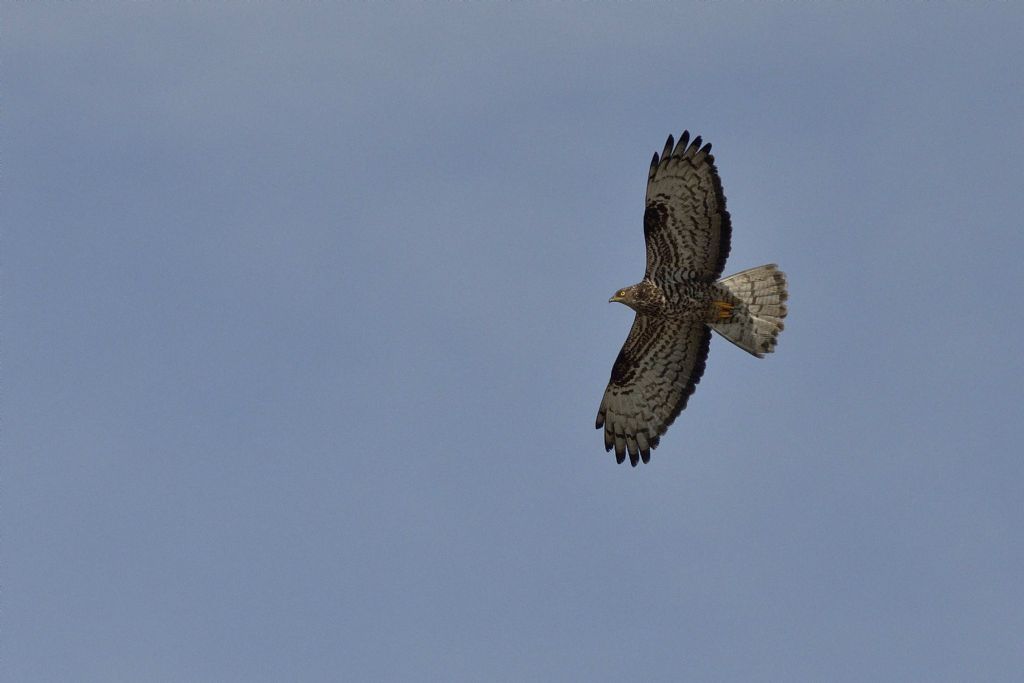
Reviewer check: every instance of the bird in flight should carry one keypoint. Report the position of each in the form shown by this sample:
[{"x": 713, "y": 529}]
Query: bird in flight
[{"x": 681, "y": 300}]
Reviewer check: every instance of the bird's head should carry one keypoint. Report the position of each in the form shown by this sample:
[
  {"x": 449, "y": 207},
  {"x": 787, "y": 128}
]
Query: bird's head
[
  {"x": 624, "y": 296},
  {"x": 631, "y": 296},
  {"x": 643, "y": 297}
]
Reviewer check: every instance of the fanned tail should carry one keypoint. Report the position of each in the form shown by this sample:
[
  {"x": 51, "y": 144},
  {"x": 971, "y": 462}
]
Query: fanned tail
[{"x": 756, "y": 321}]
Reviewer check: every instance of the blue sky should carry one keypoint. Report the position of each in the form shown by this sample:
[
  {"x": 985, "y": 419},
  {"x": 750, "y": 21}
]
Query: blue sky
[{"x": 305, "y": 328}]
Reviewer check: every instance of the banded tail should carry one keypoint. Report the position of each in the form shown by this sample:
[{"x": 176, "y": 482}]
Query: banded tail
[{"x": 757, "y": 319}]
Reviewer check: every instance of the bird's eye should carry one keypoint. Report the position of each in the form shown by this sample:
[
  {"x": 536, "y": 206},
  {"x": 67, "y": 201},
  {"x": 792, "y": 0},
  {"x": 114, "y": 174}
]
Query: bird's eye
[{"x": 622, "y": 292}]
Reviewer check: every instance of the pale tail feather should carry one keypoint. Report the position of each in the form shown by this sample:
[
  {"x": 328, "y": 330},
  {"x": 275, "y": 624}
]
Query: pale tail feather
[{"x": 757, "y": 318}]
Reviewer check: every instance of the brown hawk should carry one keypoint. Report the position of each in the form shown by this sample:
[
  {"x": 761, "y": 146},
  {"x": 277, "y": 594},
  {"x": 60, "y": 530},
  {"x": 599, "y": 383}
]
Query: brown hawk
[{"x": 681, "y": 300}]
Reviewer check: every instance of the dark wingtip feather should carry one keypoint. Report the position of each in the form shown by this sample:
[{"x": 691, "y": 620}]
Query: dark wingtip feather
[
  {"x": 633, "y": 459},
  {"x": 645, "y": 455},
  {"x": 620, "y": 457},
  {"x": 695, "y": 145},
  {"x": 654, "y": 161},
  {"x": 669, "y": 144}
]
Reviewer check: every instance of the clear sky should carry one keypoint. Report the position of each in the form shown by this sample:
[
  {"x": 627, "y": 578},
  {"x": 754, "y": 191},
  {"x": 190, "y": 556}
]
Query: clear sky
[{"x": 305, "y": 327}]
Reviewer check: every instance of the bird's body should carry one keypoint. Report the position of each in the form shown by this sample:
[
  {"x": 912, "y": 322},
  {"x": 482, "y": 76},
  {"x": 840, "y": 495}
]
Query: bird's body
[
  {"x": 681, "y": 300},
  {"x": 685, "y": 301}
]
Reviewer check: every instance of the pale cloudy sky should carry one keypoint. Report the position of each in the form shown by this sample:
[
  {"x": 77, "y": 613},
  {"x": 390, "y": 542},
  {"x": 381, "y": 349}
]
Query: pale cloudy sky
[{"x": 305, "y": 328}]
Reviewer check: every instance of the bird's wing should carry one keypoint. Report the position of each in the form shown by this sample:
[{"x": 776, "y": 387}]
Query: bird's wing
[
  {"x": 654, "y": 375},
  {"x": 686, "y": 226}
]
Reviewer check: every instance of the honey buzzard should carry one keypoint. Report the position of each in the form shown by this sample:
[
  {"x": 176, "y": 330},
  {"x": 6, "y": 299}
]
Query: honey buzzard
[{"x": 681, "y": 300}]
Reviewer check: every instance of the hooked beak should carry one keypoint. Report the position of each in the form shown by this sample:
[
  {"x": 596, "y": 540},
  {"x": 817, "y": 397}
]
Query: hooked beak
[{"x": 614, "y": 299}]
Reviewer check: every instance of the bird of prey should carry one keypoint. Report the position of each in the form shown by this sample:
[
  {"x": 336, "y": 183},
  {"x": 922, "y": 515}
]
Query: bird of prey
[{"x": 681, "y": 300}]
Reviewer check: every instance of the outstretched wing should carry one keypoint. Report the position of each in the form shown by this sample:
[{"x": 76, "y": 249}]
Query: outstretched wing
[
  {"x": 654, "y": 375},
  {"x": 686, "y": 225}
]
